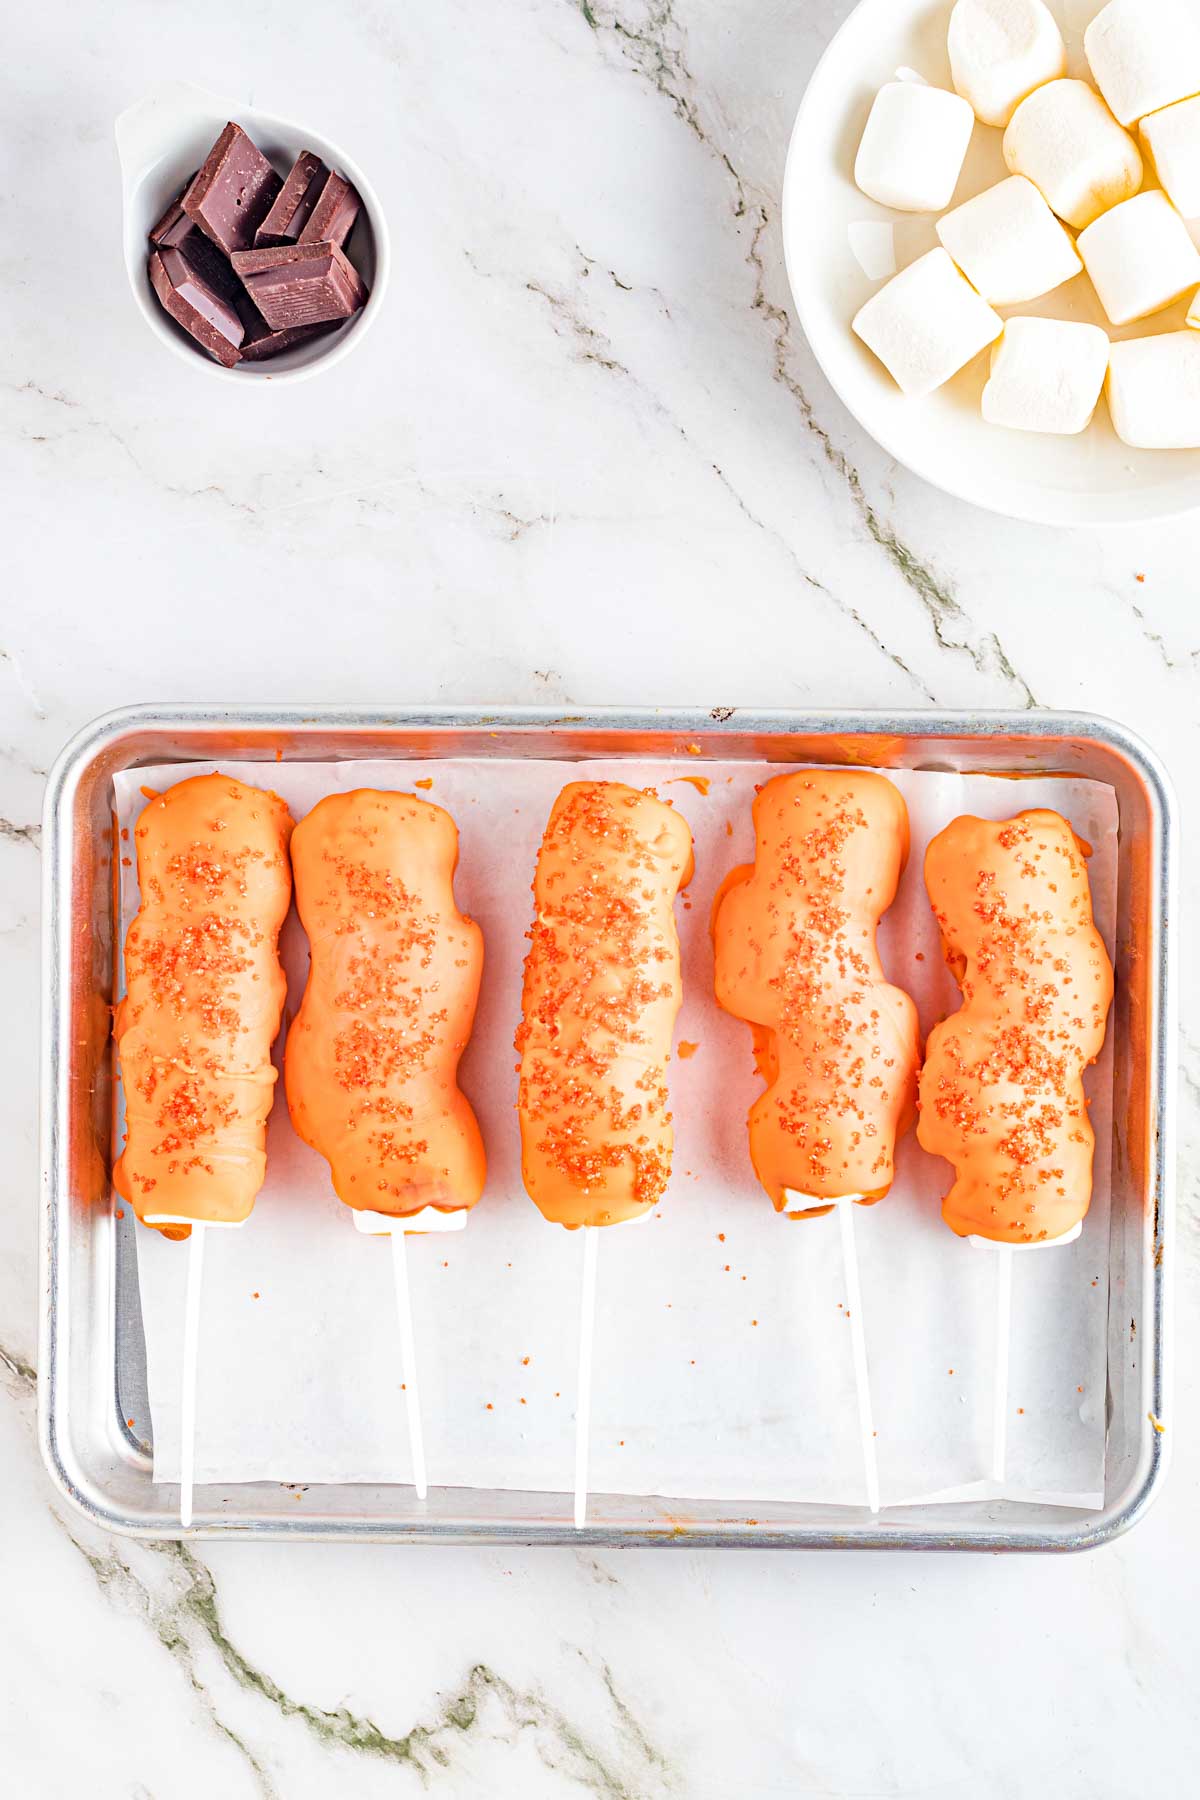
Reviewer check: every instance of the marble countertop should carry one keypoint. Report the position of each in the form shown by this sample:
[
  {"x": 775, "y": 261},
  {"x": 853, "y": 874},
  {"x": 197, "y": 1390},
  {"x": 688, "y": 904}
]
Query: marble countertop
[{"x": 584, "y": 457}]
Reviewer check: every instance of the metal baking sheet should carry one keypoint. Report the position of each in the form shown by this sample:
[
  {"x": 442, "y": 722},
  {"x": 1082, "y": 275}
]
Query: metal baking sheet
[{"x": 92, "y": 1353}]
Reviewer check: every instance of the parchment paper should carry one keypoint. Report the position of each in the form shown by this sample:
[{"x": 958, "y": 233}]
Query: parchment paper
[{"x": 723, "y": 1361}]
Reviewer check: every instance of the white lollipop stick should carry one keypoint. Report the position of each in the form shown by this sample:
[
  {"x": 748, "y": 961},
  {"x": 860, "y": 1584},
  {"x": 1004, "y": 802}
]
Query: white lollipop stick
[
  {"x": 408, "y": 1360},
  {"x": 798, "y": 1205},
  {"x": 191, "y": 1349},
  {"x": 583, "y": 1401},
  {"x": 858, "y": 1345},
  {"x": 1003, "y": 1335},
  {"x": 1004, "y": 1263}
]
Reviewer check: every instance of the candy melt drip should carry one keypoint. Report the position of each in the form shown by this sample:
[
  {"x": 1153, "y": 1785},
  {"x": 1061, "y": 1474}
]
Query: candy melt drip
[
  {"x": 602, "y": 991},
  {"x": 204, "y": 992},
  {"x": 1001, "y": 1092},
  {"x": 796, "y": 958},
  {"x": 372, "y": 1058}
]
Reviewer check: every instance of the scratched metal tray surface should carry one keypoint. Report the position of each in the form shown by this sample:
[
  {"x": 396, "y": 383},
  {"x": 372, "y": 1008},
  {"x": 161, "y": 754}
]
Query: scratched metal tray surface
[{"x": 93, "y": 1374}]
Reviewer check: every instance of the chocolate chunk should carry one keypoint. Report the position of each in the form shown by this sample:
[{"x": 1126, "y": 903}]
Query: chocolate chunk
[
  {"x": 297, "y": 197},
  {"x": 261, "y": 341},
  {"x": 196, "y": 305},
  {"x": 173, "y": 226},
  {"x": 300, "y": 284},
  {"x": 234, "y": 191},
  {"x": 333, "y": 215}
]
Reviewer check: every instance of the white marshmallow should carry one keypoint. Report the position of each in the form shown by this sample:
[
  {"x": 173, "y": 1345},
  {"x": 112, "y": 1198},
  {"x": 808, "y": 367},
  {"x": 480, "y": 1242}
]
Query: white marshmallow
[
  {"x": 1008, "y": 243},
  {"x": 1046, "y": 376},
  {"x": 1069, "y": 145},
  {"x": 1172, "y": 138},
  {"x": 927, "y": 324},
  {"x": 1154, "y": 391},
  {"x": 1144, "y": 54},
  {"x": 1140, "y": 257},
  {"x": 913, "y": 148},
  {"x": 1000, "y": 50}
]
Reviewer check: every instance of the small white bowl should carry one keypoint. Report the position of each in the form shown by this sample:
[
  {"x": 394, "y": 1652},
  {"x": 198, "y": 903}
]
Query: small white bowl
[
  {"x": 161, "y": 142},
  {"x": 1093, "y": 479}
]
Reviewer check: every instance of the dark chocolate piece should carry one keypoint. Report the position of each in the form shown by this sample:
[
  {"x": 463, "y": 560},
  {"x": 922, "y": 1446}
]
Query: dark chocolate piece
[
  {"x": 261, "y": 341},
  {"x": 196, "y": 305},
  {"x": 297, "y": 197},
  {"x": 300, "y": 284},
  {"x": 333, "y": 215},
  {"x": 234, "y": 191},
  {"x": 173, "y": 226}
]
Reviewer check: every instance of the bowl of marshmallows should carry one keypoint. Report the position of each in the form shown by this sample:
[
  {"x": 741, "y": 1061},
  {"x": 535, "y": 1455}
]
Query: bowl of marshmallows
[{"x": 991, "y": 217}]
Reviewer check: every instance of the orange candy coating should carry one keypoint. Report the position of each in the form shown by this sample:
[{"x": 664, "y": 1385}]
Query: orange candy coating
[
  {"x": 795, "y": 955},
  {"x": 1002, "y": 1092},
  {"x": 372, "y": 1057},
  {"x": 204, "y": 993},
  {"x": 602, "y": 992}
]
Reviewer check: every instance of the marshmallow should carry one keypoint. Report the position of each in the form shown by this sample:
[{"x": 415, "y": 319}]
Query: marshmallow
[
  {"x": 1140, "y": 257},
  {"x": 1000, "y": 50},
  {"x": 1172, "y": 138},
  {"x": 927, "y": 324},
  {"x": 1154, "y": 391},
  {"x": 1144, "y": 54},
  {"x": 1008, "y": 243},
  {"x": 1046, "y": 375},
  {"x": 1070, "y": 146},
  {"x": 913, "y": 148}
]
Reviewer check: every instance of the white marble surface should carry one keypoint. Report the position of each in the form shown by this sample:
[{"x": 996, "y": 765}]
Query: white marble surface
[{"x": 583, "y": 459}]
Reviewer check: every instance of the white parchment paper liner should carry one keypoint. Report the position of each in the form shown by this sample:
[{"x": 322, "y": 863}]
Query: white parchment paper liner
[{"x": 723, "y": 1366}]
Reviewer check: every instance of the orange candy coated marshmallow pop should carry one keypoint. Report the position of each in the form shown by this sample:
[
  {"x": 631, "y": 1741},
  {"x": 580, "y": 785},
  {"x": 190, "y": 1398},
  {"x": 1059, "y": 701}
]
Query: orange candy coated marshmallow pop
[
  {"x": 372, "y": 1058},
  {"x": 1002, "y": 1092},
  {"x": 602, "y": 992},
  {"x": 204, "y": 993},
  {"x": 794, "y": 940}
]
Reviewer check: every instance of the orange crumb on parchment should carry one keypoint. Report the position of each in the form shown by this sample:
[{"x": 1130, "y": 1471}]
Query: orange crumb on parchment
[
  {"x": 692, "y": 749},
  {"x": 425, "y": 782},
  {"x": 701, "y": 783}
]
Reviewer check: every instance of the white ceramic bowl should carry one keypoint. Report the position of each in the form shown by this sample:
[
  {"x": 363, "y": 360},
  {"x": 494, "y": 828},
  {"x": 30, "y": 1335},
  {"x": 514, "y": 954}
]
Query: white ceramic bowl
[
  {"x": 161, "y": 142},
  {"x": 1093, "y": 479}
]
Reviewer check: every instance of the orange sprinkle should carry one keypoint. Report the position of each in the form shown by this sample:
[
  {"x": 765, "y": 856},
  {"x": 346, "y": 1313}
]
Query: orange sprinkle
[
  {"x": 278, "y": 754},
  {"x": 490, "y": 1407},
  {"x": 753, "y": 1321},
  {"x": 693, "y": 749},
  {"x": 1021, "y": 1411},
  {"x": 701, "y": 783},
  {"x": 255, "y": 1295},
  {"x": 426, "y": 782},
  {"x": 686, "y": 1050},
  {"x": 120, "y": 1212},
  {"x": 1139, "y": 578},
  {"x": 523, "y": 1401},
  {"x": 524, "y": 1362},
  {"x": 720, "y": 1237},
  {"x": 129, "y": 1422}
]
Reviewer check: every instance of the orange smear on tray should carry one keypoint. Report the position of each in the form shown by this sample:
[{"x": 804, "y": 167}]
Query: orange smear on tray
[
  {"x": 602, "y": 992},
  {"x": 794, "y": 936},
  {"x": 1002, "y": 1091},
  {"x": 372, "y": 1059},
  {"x": 203, "y": 1000}
]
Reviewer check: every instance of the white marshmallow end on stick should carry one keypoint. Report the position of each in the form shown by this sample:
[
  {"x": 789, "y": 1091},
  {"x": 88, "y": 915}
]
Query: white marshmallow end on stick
[
  {"x": 1000, "y": 50},
  {"x": 1069, "y": 145},
  {"x": 927, "y": 324},
  {"x": 914, "y": 146},
  {"x": 1046, "y": 376},
  {"x": 1140, "y": 257},
  {"x": 1144, "y": 54},
  {"x": 1009, "y": 244},
  {"x": 1172, "y": 139},
  {"x": 1154, "y": 391}
]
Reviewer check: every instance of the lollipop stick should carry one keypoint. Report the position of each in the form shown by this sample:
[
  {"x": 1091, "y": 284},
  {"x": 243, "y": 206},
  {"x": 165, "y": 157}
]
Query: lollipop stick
[
  {"x": 1004, "y": 1268},
  {"x": 191, "y": 1345},
  {"x": 408, "y": 1361},
  {"x": 583, "y": 1403},
  {"x": 858, "y": 1341}
]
